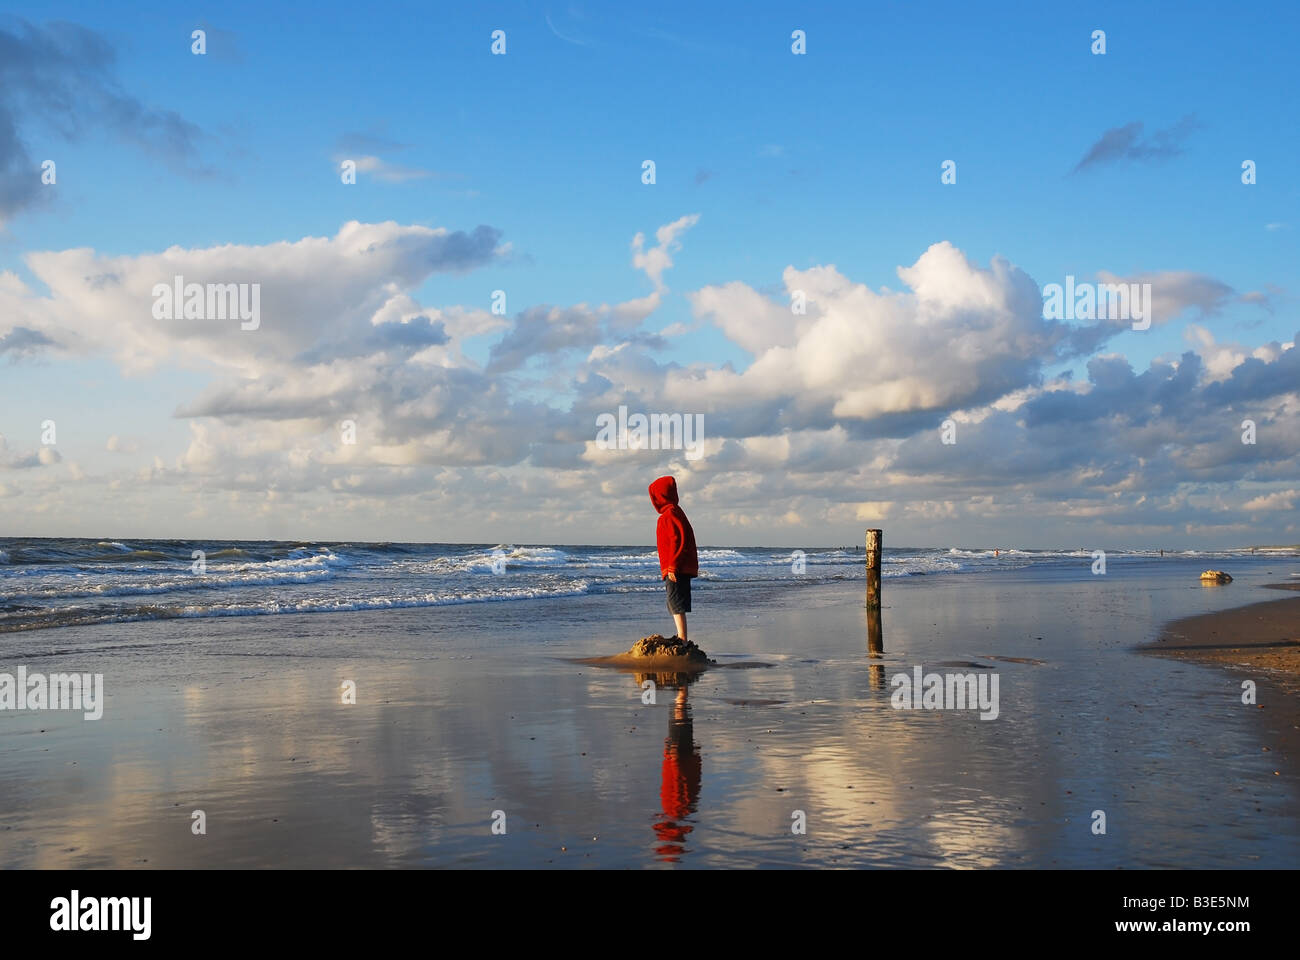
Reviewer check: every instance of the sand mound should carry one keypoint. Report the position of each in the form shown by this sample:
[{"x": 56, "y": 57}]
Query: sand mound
[
  {"x": 658, "y": 647},
  {"x": 1216, "y": 576},
  {"x": 663, "y": 657}
]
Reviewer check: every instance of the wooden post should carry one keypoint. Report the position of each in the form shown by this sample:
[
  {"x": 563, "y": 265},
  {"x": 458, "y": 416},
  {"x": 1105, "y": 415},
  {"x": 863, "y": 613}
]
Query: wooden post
[{"x": 875, "y": 539}]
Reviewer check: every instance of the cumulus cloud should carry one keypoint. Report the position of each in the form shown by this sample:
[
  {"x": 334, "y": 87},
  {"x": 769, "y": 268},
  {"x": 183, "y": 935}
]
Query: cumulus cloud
[
  {"x": 1280, "y": 500},
  {"x": 962, "y": 335},
  {"x": 543, "y": 330},
  {"x": 315, "y": 291},
  {"x": 1220, "y": 359},
  {"x": 831, "y": 422},
  {"x": 43, "y": 456}
]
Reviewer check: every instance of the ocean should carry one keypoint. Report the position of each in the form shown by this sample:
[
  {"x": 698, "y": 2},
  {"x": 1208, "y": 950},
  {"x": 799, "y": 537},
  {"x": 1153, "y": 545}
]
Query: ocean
[{"x": 65, "y": 582}]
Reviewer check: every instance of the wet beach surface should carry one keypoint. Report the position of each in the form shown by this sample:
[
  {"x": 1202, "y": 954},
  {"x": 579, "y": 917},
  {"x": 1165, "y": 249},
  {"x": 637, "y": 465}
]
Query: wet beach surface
[{"x": 472, "y": 715}]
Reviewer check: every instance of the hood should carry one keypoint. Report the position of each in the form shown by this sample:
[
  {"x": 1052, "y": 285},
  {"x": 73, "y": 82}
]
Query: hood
[{"x": 663, "y": 492}]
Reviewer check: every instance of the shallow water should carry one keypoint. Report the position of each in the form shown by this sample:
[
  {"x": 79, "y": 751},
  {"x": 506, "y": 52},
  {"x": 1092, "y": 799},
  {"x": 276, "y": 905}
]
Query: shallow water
[{"x": 466, "y": 710}]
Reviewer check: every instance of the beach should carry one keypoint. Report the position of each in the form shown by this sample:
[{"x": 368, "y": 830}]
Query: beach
[
  {"x": 1258, "y": 643},
  {"x": 476, "y": 739},
  {"x": 1261, "y": 636}
]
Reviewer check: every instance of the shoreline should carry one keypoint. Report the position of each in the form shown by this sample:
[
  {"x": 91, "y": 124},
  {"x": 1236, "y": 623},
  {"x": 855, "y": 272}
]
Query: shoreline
[
  {"x": 1259, "y": 641},
  {"x": 1261, "y": 635}
]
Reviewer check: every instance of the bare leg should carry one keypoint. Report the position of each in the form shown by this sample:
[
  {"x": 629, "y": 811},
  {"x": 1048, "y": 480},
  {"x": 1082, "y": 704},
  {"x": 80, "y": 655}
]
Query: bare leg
[{"x": 679, "y": 619}]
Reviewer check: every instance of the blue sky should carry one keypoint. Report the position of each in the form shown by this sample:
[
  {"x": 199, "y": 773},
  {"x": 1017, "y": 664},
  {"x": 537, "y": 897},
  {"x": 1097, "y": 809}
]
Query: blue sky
[{"x": 832, "y": 157}]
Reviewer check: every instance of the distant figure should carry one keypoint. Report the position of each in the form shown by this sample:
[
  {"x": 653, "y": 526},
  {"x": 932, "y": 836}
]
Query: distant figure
[
  {"x": 1162, "y": 553},
  {"x": 678, "y": 561},
  {"x": 995, "y": 553}
]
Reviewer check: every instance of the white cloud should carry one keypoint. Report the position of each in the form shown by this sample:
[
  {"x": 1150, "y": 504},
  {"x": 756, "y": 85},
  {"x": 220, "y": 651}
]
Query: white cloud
[
  {"x": 659, "y": 257},
  {"x": 314, "y": 291},
  {"x": 1281, "y": 500},
  {"x": 964, "y": 334},
  {"x": 1222, "y": 358},
  {"x": 834, "y": 422}
]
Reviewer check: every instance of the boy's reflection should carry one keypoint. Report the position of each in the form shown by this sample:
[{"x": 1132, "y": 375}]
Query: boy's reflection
[{"x": 679, "y": 785}]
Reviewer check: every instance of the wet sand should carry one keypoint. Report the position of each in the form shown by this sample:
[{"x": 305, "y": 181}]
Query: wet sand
[
  {"x": 1259, "y": 642},
  {"x": 1261, "y": 636},
  {"x": 465, "y": 712}
]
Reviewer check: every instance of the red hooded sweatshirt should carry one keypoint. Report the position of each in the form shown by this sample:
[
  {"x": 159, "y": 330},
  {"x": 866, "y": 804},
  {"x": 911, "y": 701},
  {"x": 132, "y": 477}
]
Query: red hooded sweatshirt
[{"x": 674, "y": 535}]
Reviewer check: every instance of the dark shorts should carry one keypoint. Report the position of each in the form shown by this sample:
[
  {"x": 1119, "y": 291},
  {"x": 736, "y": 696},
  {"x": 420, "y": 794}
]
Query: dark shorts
[{"x": 679, "y": 594}]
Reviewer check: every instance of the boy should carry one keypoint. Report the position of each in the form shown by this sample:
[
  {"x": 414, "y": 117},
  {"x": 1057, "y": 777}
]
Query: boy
[{"x": 678, "y": 561}]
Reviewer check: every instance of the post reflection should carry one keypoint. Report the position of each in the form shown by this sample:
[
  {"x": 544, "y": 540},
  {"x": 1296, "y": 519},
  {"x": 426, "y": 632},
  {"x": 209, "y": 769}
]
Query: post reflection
[{"x": 875, "y": 646}]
